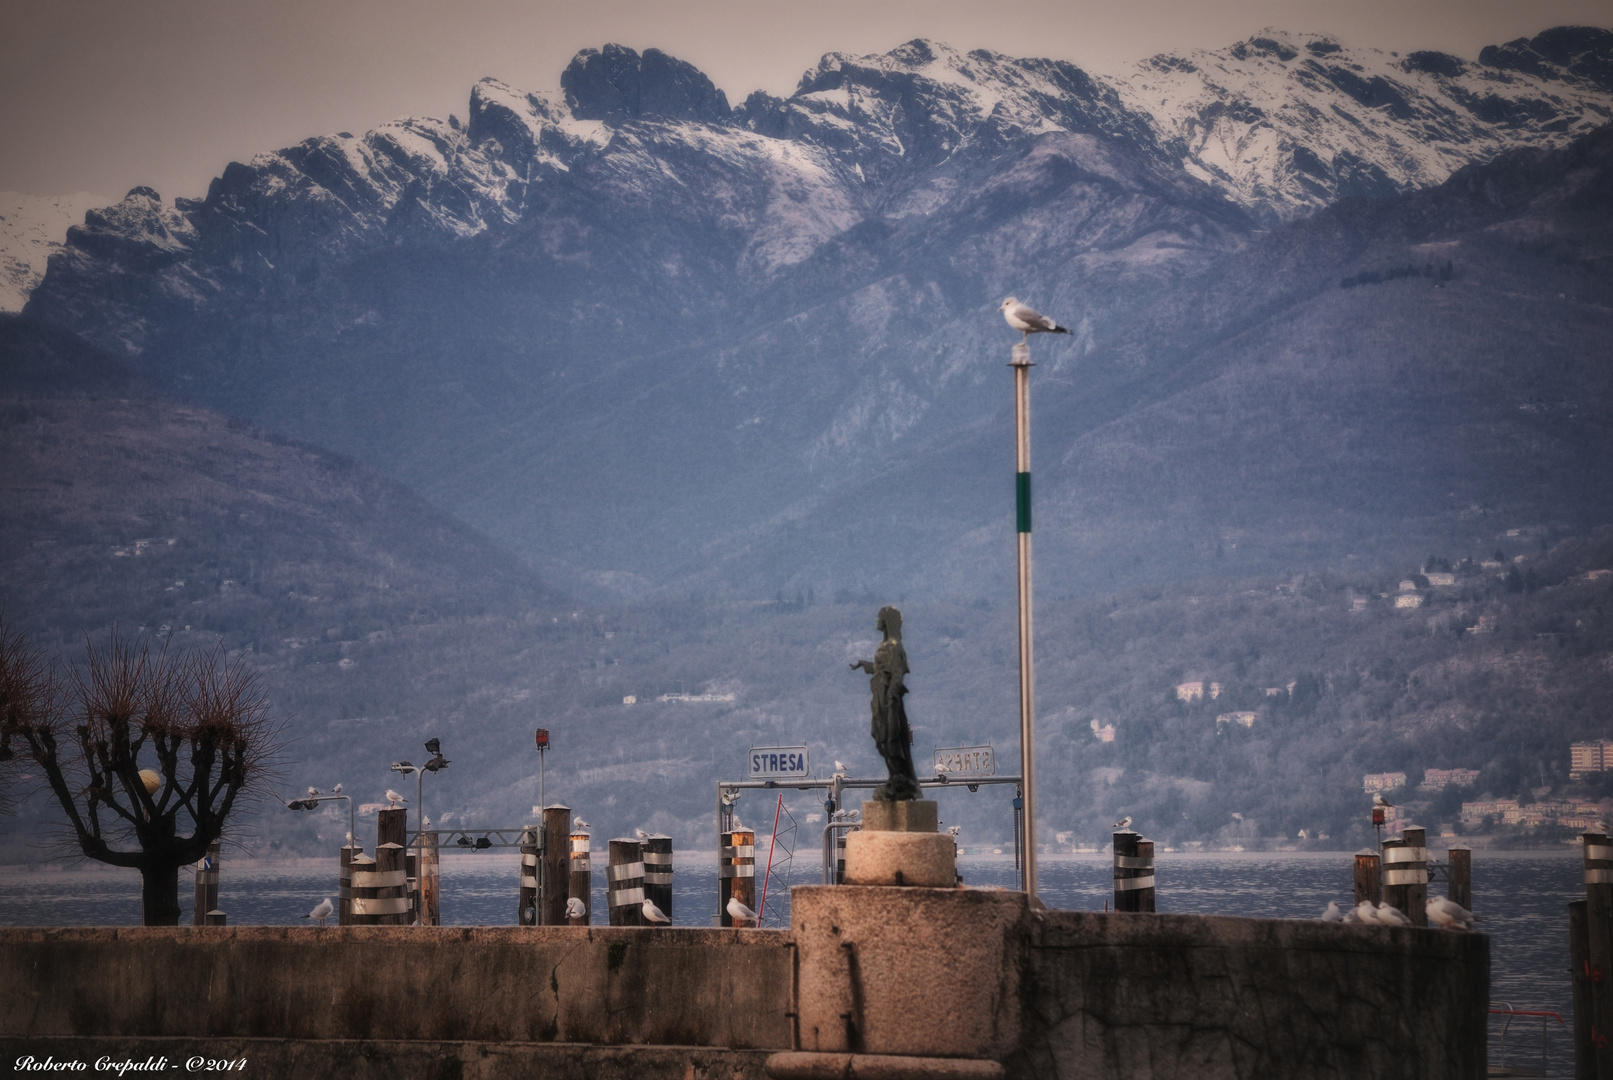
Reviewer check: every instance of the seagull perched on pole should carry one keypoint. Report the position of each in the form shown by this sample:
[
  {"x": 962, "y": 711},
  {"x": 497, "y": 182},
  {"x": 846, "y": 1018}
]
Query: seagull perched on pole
[
  {"x": 1379, "y": 800},
  {"x": 1124, "y": 823},
  {"x": 739, "y": 912},
  {"x": 641, "y": 834},
  {"x": 321, "y": 911},
  {"x": 840, "y": 768},
  {"x": 394, "y": 798},
  {"x": 1028, "y": 321},
  {"x": 653, "y": 914},
  {"x": 580, "y": 823}
]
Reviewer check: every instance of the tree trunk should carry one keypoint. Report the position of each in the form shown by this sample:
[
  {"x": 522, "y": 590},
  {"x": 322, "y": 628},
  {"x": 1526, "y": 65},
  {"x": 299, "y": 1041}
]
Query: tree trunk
[{"x": 159, "y": 895}]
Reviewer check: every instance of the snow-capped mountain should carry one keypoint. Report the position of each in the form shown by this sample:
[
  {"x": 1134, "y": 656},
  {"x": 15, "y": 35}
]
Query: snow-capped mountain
[
  {"x": 32, "y": 227},
  {"x": 627, "y": 308},
  {"x": 1286, "y": 123}
]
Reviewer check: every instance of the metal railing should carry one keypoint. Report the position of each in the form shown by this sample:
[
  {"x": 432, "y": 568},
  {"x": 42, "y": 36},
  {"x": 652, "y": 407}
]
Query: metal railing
[{"x": 1501, "y": 1068}]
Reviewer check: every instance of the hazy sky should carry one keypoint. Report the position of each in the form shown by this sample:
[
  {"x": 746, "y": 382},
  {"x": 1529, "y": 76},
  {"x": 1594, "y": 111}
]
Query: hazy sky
[{"x": 102, "y": 95}]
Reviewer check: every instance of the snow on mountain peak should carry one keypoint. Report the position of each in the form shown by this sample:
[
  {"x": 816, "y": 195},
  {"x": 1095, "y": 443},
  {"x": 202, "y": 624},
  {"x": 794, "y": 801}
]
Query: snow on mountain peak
[
  {"x": 1287, "y": 122},
  {"x": 32, "y": 228}
]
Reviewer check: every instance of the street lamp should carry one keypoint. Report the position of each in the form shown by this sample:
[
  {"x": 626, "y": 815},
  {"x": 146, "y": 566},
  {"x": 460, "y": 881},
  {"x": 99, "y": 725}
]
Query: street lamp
[
  {"x": 312, "y": 800},
  {"x": 404, "y": 768}
]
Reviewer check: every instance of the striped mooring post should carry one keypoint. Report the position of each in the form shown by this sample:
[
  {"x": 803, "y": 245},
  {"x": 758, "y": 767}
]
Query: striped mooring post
[
  {"x": 582, "y": 876},
  {"x": 1134, "y": 872},
  {"x": 1579, "y": 970},
  {"x": 365, "y": 890},
  {"x": 391, "y": 830},
  {"x": 840, "y": 856},
  {"x": 658, "y": 872},
  {"x": 737, "y": 871},
  {"x": 554, "y": 860},
  {"x": 206, "y": 885},
  {"x": 624, "y": 883},
  {"x": 527, "y": 902},
  {"x": 1405, "y": 874},
  {"x": 344, "y": 884},
  {"x": 1598, "y": 1041},
  {"x": 1368, "y": 876}
]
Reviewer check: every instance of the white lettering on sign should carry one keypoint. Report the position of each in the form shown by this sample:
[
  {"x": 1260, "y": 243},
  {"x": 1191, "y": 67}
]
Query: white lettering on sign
[
  {"x": 778, "y": 762},
  {"x": 965, "y": 761}
]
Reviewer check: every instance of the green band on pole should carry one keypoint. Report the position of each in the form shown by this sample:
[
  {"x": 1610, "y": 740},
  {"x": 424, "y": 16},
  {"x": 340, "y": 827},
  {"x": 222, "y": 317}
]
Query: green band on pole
[{"x": 1022, "y": 493}]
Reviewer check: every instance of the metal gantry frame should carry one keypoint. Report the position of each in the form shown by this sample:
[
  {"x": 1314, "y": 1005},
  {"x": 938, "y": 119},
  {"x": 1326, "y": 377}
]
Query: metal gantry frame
[{"x": 835, "y": 785}]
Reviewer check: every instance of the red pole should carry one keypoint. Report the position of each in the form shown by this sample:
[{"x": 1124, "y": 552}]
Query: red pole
[{"x": 761, "y": 907}]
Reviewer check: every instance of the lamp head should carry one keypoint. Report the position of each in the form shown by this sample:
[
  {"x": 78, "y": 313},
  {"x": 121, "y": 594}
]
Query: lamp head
[{"x": 433, "y": 746}]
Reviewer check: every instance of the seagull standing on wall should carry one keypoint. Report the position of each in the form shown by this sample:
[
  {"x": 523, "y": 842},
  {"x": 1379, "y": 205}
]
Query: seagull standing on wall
[
  {"x": 1027, "y": 320},
  {"x": 321, "y": 911},
  {"x": 653, "y": 914},
  {"x": 739, "y": 912}
]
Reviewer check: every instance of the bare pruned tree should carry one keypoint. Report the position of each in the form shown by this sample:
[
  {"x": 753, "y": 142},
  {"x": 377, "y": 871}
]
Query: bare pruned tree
[{"x": 147, "y": 754}]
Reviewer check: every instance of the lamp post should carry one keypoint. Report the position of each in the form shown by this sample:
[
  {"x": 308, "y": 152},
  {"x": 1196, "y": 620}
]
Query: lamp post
[
  {"x": 404, "y": 768},
  {"x": 311, "y": 802},
  {"x": 1021, "y": 364}
]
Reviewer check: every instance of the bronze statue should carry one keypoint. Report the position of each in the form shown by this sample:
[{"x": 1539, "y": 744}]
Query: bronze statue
[{"x": 891, "y": 734}]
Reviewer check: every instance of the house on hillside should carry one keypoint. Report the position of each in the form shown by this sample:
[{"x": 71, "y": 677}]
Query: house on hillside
[
  {"x": 1408, "y": 600},
  {"x": 1441, "y": 579},
  {"x": 1247, "y": 719},
  {"x": 1359, "y": 603},
  {"x": 1597, "y": 575},
  {"x": 1382, "y": 781},
  {"x": 1408, "y": 585},
  {"x": 1195, "y": 691},
  {"x": 1485, "y": 625},
  {"x": 1103, "y": 733},
  {"x": 1439, "y": 779},
  {"x": 1585, "y": 758}
]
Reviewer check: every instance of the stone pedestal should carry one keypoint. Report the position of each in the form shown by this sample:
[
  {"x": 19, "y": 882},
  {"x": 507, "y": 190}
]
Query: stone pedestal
[
  {"x": 933, "y": 973},
  {"x": 898, "y": 845}
]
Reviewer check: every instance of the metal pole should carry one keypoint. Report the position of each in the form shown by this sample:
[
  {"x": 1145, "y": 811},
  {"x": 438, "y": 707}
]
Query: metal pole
[
  {"x": 419, "y": 844},
  {"x": 542, "y": 838},
  {"x": 1027, "y": 672}
]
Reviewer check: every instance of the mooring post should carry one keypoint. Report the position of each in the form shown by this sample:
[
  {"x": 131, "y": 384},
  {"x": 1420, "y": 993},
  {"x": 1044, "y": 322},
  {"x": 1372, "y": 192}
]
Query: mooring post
[
  {"x": 624, "y": 883},
  {"x": 216, "y": 918},
  {"x": 1405, "y": 874},
  {"x": 527, "y": 901},
  {"x": 391, "y": 830},
  {"x": 1134, "y": 872},
  {"x": 658, "y": 872},
  {"x": 206, "y": 885},
  {"x": 742, "y": 871},
  {"x": 1459, "y": 868},
  {"x": 1368, "y": 877},
  {"x": 1579, "y": 969},
  {"x": 344, "y": 885},
  {"x": 1599, "y": 946},
  {"x": 430, "y": 878},
  {"x": 554, "y": 883},
  {"x": 582, "y": 876},
  {"x": 840, "y": 856},
  {"x": 363, "y": 885}
]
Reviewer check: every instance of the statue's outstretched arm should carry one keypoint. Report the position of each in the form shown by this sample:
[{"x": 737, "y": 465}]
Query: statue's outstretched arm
[{"x": 866, "y": 665}]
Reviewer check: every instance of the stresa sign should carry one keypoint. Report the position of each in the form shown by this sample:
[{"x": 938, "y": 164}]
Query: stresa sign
[{"x": 779, "y": 763}]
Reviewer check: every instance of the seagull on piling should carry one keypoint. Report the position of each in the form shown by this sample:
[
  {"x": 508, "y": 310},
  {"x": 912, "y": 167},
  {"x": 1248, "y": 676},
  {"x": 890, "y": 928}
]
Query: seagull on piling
[
  {"x": 575, "y": 908},
  {"x": 739, "y": 912},
  {"x": 1448, "y": 914},
  {"x": 321, "y": 911},
  {"x": 394, "y": 798},
  {"x": 1124, "y": 823},
  {"x": 641, "y": 834},
  {"x": 1392, "y": 916},
  {"x": 1028, "y": 321},
  {"x": 580, "y": 823},
  {"x": 654, "y": 914}
]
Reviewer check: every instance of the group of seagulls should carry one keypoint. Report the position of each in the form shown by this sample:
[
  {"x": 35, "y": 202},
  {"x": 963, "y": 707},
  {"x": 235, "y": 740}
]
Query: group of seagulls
[{"x": 1442, "y": 912}]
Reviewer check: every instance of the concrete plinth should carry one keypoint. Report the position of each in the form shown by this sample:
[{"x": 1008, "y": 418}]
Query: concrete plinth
[
  {"x": 802, "y": 1065},
  {"x": 908, "y": 971},
  {"x": 907, "y": 815},
  {"x": 929, "y": 860}
]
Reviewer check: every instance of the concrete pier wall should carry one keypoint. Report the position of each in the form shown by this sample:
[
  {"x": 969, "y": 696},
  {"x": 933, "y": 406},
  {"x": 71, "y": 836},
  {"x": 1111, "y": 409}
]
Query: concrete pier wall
[
  {"x": 1077, "y": 995},
  {"x": 1198, "y": 997}
]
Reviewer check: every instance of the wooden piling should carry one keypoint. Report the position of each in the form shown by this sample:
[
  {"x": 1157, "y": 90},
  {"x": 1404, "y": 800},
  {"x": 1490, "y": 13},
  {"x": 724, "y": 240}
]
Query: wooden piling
[
  {"x": 624, "y": 883},
  {"x": 344, "y": 885},
  {"x": 362, "y": 878},
  {"x": 1599, "y": 947},
  {"x": 658, "y": 872},
  {"x": 582, "y": 876},
  {"x": 216, "y": 918},
  {"x": 1459, "y": 868},
  {"x": 554, "y": 866},
  {"x": 736, "y": 870},
  {"x": 430, "y": 880},
  {"x": 391, "y": 830},
  {"x": 206, "y": 885},
  {"x": 1133, "y": 872},
  {"x": 1579, "y": 969},
  {"x": 526, "y": 909},
  {"x": 1368, "y": 877},
  {"x": 1405, "y": 874}
]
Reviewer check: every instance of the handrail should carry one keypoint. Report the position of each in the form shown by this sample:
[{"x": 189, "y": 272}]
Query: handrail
[{"x": 1510, "y": 1011}]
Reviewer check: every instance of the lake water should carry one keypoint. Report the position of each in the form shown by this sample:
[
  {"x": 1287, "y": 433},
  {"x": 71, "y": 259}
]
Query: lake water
[{"x": 1521, "y": 897}]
